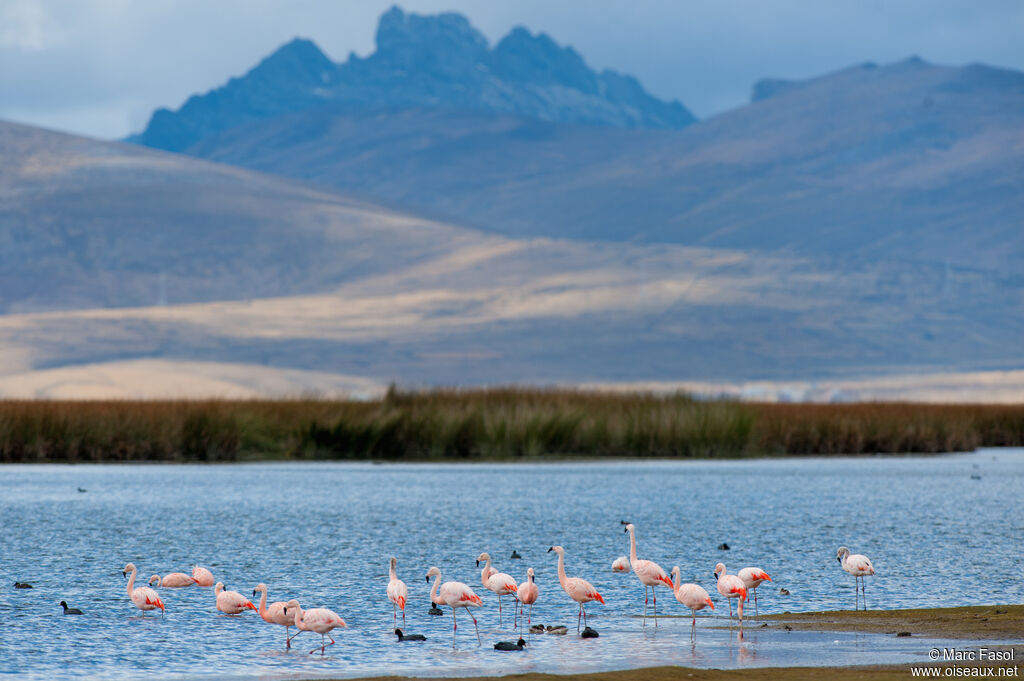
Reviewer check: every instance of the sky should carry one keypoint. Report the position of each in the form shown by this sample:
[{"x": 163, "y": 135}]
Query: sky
[{"x": 100, "y": 67}]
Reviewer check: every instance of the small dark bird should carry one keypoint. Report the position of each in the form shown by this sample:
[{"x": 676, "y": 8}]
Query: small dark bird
[
  {"x": 434, "y": 610},
  {"x": 723, "y": 547},
  {"x": 787, "y": 627},
  {"x": 975, "y": 477},
  {"x": 556, "y": 630},
  {"x": 70, "y": 611},
  {"x": 589, "y": 633},
  {"x": 537, "y": 629},
  {"x": 515, "y": 555},
  {"x": 784, "y": 591},
  {"x": 22, "y": 585},
  {"x": 410, "y": 637},
  {"x": 81, "y": 489},
  {"x": 508, "y": 645},
  {"x": 903, "y": 634},
  {"x": 623, "y": 522}
]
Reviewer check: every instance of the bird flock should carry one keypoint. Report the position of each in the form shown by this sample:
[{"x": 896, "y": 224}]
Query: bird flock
[{"x": 456, "y": 595}]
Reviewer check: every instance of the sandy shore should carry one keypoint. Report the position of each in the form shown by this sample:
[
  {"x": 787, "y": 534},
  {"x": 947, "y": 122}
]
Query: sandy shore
[{"x": 982, "y": 622}]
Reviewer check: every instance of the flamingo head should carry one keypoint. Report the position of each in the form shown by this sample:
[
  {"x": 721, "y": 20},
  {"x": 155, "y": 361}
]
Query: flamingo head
[
  {"x": 219, "y": 587},
  {"x": 719, "y": 569},
  {"x": 259, "y": 587},
  {"x": 394, "y": 562},
  {"x": 557, "y": 549},
  {"x": 843, "y": 552},
  {"x": 156, "y": 579},
  {"x": 483, "y": 557},
  {"x": 529, "y": 574},
  {"x": 130, "y": 567},
  {"x": 433, "y": 572},
  {"x": 289, "y": 605},
  {"x": 675, "y": 571},
  {"x": 629, "y": 527}
]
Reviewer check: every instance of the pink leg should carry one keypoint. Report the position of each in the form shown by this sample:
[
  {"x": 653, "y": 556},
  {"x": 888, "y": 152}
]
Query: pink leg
[
  {"x": 645, "y": 606},
  {"x": 478, "y": 641},
  {"x": 655, "y": 593}
]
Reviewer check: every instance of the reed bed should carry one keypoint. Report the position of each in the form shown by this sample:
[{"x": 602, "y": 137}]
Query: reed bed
[{"x": 496, "y": 424}]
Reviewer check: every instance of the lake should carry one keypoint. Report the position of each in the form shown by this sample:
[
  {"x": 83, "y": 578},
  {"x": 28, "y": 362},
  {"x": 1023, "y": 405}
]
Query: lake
[{"x": 942, "y": 531}]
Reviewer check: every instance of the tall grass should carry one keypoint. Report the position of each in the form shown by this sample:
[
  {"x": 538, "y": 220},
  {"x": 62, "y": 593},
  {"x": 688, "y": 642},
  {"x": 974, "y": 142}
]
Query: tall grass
[{"x": 488, "y": 424}]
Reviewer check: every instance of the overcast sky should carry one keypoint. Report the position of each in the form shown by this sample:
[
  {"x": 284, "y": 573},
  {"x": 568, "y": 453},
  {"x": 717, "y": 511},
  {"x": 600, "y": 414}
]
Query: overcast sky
[{"x": 100, "y": 67}]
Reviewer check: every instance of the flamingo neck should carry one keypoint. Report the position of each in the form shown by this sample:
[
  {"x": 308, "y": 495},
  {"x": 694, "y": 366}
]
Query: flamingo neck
[
  {"x": 675, "y": 580},
  {"x": 433, "y": 589},
  {"x": 392, "y": 574},
  {"x": 131, "y": 583},
  {"x": 487, "y": 568},
  {"x": 298, "y": 617},
  {"x": 561, "y": 570},
  {"x": 263, "y": 603},
  {"x": 632, "y": 547}
]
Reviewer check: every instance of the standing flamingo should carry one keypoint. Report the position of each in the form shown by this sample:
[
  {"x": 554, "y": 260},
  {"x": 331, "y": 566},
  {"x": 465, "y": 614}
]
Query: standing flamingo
[
  {"x": 175, "y": 580},
  {"x": 397, "y": 591},
  {"x": 231, "y": 602},
  {"x": 498, "y": 582},
  {"x": 692, "y": 596},
  {"x": 621, "y": 565},
  {"x": 752, "y": 578},
  {"x": 731, "y": 587},
  {"x": 202, "y": 576},
  {"x": 275, "y": 614},
  {"x": 527, "y": 594},
  {"x": 580, "y": 590},
  {"x": 143, "y": 598},
  {"x": 650, "y": 573},
  {"x": 859, "y": 566},
  {"x": 318, "y": 620},
  {"x": 454, "y": 595}
]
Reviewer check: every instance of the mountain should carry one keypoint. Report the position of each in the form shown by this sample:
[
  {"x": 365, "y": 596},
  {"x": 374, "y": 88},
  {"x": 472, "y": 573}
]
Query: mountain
[
  {"x": 435, "y": 61},
  {"x": 906, "y": 161}
]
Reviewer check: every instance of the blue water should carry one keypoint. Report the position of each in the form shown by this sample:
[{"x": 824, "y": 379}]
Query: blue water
[{"x": 323, "y": 533}]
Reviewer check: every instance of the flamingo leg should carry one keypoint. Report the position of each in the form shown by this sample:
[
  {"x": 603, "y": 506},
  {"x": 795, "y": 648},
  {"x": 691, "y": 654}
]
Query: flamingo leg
[
  {"x": 499, "y": 610},
  {"x": 475, "y": 626},
  {"x": 729, "y": 601},
  {"x": 645, "y": 606},
  {"x": 529, "y": 616},
  {"x": 516, "y": 611},
  {"x": 655, "y": 594},
  {"x": 739, "y": 610},
  {"x": 693, "y": 626},
  {"x": 394, "y": 608},
  {"x": 578, "y": 616},
  {"x": 455, "y": 627},
  {"x": 755, "y": 604}
]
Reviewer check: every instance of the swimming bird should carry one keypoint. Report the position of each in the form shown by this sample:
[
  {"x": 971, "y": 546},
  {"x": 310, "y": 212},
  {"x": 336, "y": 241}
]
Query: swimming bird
[
  {"x": 22, "y": 585},
  {"x": 231, "y": 602},
  {"x": 527, "y": 595},
  {"x": 650, "y": 573},
  {"x": 397, "y": 591},
  {"x": 82, "y": 489},
  {"x": 202, "y": 576},
  {"x": 70, "y": 611},
  {"x": 859, "y": 566},
  {"x": 274, "y": 613},
  {"x": 621, "y": 565},
  {"x": 752, "y": 578},
  {"x": 558, "y": 630},
  {"x": 515, "y": 555},
  {"x": 693, "y": 596},
  {"x": 411, "y": 637},
  {"x": 580, "y": 590},
  {"x": 176, "y": 580},
  {"x": 143, "y": 598},
  {"x": 731, "y": 587},
  {"x": 454, "y": 595},
  {"x": 508, "y": 645},
  {"x": 318, "y": 620},
  {"x": 435, "y": 610},
  {"x": 498, "y": 582},
  {"x": 537, "y": 629},
  {"x": 589, "y": 633}
]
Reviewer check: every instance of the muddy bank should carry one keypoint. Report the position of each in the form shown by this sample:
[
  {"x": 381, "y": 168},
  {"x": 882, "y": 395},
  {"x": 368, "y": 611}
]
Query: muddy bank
[{"x": 1003, "y": 623}]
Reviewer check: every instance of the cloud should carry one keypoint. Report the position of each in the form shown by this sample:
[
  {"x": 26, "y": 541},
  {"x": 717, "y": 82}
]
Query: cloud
[{"x": 27, "y": 26}]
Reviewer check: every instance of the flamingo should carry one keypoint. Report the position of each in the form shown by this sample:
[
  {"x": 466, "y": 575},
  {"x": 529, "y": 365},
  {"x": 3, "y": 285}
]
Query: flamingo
[
  {"x": 397, "y": 592},
  {"x": 176, "y": 580},
  {"x": 692, "y": 596},
  {"x": 231, "y": 602},
  {"x": 580, "y": 590},
  {"x": 752, "y": 578},
  {"x": 202, "y": 576},
  {"x": 621, "y": 565},
  {"x": 859, "y": 566},
  {"x": 275, "y": 614},
  {"x": 455, "y": 595},
  {"x": 527, "y": 594},
  {"x": 650, "y": 573},
  {"x": 318, "y": 620},
  {"x": 498, "y": 582},
  {"x": 143, "y": 598},
  {"x": 731, "y": 587},
  {"x": 155, "y": 578}
]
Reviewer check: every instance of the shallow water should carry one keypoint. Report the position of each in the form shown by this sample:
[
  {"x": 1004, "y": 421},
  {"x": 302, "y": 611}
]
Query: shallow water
[{"x": 323, "y": 533}]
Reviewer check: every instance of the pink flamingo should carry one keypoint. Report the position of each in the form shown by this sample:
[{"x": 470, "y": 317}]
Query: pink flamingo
[
  {"x": 397, "y": 591},
  {"x": 650, "y": 573},
  {"x": 454, "y": 595},
  {"x": 621, "y": 565},
  {"x": 498, "y": 582},
  {"x": 580, "y": 590},
  {"x": 693, "y": 596},
  {"x": 527, "y": 594},
  {"x": 275, "y": 614},
  {"x": 202, "y": 576},
  {"x": 174, "y": 580},
  {"x": 752, "y": 578},
  {"x": 231, "y": 602},
  {"x": 859, "y": 566},
  {"x": 319, "y": 620},
  {"x": 143, "y": 598},
  {"x": 731, "y": 587}
]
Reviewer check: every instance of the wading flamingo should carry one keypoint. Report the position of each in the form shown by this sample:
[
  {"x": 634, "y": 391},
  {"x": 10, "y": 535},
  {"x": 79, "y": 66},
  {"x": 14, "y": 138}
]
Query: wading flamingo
[
  {"x": 752, "y": 578},
  {"x": 202, "y": 576},
  {"x": 143, "y": 598},
  {"x": 455, "y": 595},
  {"x": 621, "y": 565},
  {"x": 175, "y": 580},
  {"x": 231, "y": 602},
  {"x": 580, "y": 590},
  {"x": 731, "y": 587},
  {"x": 317, "y": 620},
  {"x": 859, "y": 566},
  {"x": 397, "y": 591},
  {"x": 650, "y": 573},
  {"x": 692, "y": 596},
  {"x": 527, "y": 595},
  {"x": 498, "y": 582},
  {"x": 275, "y": 613}
]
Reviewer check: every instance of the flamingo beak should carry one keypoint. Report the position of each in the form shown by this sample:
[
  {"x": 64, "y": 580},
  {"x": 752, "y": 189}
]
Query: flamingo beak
[
  {"x": 839, "y": 559},
  {"x": 427, "y": 578},
  {"x": 551, "y": 549},
  {"x": 254, "y": 593},
  {"x": 123, "y": 573},
  {"x": 478, "y": 563}
]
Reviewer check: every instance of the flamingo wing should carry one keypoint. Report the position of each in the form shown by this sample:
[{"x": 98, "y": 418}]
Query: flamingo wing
[
  {"x": 651, "y": 574},
  {"x": 501, "y": 583},
  {"x": 398, "y": 592},
  {"x": 582, "y": 591}
]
